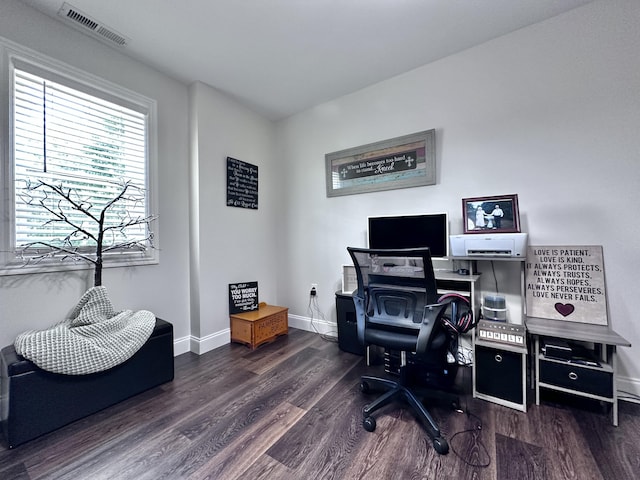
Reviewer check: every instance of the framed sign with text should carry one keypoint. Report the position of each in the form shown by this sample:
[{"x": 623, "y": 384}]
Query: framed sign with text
[
  {"x": 243, "y": 297},
  {"x": 242, "y": 184},
  {"x": 566, "y": 283},
  {"x": 401, "y": 162}
]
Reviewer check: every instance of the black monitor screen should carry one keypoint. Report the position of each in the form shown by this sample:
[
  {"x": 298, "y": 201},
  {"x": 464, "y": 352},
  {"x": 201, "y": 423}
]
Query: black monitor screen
[{"x": 411, "y": 231}]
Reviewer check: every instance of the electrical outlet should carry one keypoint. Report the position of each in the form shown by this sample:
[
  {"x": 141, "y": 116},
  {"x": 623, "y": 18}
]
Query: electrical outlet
[{"x": 314, "y": 289}]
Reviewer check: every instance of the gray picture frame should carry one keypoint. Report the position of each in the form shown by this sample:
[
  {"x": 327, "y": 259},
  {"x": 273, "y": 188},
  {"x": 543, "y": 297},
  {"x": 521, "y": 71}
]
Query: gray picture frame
[{"x": 401, "y": 162}]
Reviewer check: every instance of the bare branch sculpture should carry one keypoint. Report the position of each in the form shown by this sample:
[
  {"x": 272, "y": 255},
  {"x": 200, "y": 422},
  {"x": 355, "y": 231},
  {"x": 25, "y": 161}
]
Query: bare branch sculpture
[{"x": 91, "y": 232}]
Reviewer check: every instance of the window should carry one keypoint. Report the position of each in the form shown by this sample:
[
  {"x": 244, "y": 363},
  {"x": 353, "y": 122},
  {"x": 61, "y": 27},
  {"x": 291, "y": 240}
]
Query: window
[{"x": 89, "y": 138}]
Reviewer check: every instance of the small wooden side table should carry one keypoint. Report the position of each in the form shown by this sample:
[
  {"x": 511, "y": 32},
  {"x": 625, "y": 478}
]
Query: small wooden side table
[{"x": 259, "y": 326}]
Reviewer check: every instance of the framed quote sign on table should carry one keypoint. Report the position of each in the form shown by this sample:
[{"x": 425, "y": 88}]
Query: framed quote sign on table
[{"x": 566, "y": 283}]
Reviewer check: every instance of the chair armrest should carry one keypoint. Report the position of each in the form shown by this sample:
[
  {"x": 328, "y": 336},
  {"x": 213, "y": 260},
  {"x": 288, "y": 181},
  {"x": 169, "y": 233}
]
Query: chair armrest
[
  {"x": 432, "y": 314},
  {"x": 359, "y": 304}
]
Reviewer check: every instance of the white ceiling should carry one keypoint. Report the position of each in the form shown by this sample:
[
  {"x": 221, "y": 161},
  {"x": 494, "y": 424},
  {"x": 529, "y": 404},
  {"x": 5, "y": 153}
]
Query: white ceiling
[{"x": 280, "y": 57}]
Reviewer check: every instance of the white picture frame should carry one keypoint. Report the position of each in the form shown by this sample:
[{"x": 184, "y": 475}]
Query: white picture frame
[{"x": 349, "y": 279}]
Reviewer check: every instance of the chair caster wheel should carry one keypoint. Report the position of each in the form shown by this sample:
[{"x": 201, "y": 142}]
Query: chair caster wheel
[
  {"x": 369, "y": 424},
  {"x": 440, "y": 445},
  {"x": 364, "y": 387}
]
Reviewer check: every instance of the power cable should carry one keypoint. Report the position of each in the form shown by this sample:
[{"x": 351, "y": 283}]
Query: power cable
[
  {"x": 314, "y": 308},
  {"x": 475, "y": 432}
]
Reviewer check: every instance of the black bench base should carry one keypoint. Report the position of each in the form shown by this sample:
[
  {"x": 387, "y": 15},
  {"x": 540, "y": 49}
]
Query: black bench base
[{"x": 34, "y": 402}]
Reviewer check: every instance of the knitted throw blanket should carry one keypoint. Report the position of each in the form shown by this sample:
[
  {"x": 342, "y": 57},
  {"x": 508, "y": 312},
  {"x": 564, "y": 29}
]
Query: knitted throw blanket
[{"x": 94, "y": 338}]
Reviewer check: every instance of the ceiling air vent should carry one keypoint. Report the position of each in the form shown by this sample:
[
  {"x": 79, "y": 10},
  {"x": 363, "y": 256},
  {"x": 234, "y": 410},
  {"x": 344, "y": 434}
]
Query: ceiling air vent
[{"x": 74, "y": 17}]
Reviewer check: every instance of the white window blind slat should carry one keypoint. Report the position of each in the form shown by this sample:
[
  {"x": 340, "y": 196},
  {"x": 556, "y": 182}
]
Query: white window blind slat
[{"x": 65, "y": 136}]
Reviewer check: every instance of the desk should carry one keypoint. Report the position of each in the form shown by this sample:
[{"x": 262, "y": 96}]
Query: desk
[{"x": 587, "y": 381}]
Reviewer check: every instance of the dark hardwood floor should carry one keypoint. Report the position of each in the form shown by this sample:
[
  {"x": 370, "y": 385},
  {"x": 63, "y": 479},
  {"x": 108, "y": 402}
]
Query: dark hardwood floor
[{"x": 292, "y": 410}]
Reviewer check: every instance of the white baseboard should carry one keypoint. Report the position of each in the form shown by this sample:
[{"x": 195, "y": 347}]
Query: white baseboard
[
  {"x": 181, "y": 345},
  {"x": 223, "y": 337},
  {"x": 628, "y": 389},
  {"x": 210, "y": 342},
  {"x": 322, "y": 327},
  {"x": 201, "y": 345}
]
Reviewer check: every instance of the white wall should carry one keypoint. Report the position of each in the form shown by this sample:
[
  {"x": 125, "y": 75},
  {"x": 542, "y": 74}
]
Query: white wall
[
  {"x": 231, "y": 245},
  {"x": 38, "y": 301},
  {"x": 550, "y": 112},
  {"x": 204, "y": 245}
]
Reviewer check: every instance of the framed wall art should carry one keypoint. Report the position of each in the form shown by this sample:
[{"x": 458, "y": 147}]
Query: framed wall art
[
  {"x": 242, "y": 184},
  {"x": 401, "y": 162},
  {"x": 497, "y": 214}
]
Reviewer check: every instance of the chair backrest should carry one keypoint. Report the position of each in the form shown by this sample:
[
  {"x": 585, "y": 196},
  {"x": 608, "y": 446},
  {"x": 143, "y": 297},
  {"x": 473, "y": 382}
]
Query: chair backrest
[{"x": 395, "y": 287}]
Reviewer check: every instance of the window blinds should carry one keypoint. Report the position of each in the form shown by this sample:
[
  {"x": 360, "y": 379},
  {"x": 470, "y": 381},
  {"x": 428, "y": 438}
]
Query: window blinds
[{"x": 86, "y": 144}]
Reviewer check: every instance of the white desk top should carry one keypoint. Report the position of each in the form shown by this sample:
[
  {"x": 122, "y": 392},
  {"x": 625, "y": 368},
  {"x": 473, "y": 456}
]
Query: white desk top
[{"x": 455, "y": 276}]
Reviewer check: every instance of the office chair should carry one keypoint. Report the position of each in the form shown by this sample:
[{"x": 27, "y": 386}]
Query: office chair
[{"x": 396, "y": 308}]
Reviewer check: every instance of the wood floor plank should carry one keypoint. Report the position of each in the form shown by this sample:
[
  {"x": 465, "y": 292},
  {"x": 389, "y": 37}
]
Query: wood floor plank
[
  {"x": 212, "y": 427},
  {"x": 398, "y": 448},
  {"x": 292, "y": 409},
  {"x": 279, "y": 351},
  {"x": 266, "y": 468},
  {"x": 115, "y": 432},
  {"x": 568, "y": 459},
  {"x": 471, "y": 437},
  {"x": 317, "y": 429},
  {"x": 614, "y": 449},
  {"x": 519, "y": 460},
  {"x": 248, "y": 447},
  {"x": 515, "y": 424}
]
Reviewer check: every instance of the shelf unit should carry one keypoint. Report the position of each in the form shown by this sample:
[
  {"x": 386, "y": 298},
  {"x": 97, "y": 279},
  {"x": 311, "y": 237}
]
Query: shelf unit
[
  {"x": 599, "y": 383},
  {"x": 448, "y": 281},
  {"x": 500, "y": 368},
  {"x": 465, "y": 285}
]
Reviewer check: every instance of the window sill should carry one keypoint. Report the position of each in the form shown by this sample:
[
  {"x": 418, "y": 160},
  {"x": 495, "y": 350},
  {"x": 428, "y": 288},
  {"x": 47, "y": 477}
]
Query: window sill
[{"x": 51, "y": 265}]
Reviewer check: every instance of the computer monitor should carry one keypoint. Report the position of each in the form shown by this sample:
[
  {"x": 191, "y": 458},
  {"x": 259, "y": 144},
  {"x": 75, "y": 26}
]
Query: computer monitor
[{"x": 411, "y": 231}]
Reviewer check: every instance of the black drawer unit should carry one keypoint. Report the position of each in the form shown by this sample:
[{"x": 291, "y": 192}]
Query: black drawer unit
[
  {"x": 347, "y": 325},
  {"x": 578, "y": 378},
  {"x": 588, "y": 369},
  {"x": 500, "y": 376}
]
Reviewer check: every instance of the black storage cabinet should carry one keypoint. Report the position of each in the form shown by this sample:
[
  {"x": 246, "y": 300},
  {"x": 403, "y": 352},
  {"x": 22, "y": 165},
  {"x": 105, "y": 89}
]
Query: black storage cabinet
[
  {"x": 347, "y": 327},
  {"x": 499, "y": 374}
]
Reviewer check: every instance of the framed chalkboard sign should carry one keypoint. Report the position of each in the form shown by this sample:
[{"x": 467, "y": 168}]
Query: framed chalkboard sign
[
  {"x": 243, "y": 297},
  {"x": 242, "y": 184}
]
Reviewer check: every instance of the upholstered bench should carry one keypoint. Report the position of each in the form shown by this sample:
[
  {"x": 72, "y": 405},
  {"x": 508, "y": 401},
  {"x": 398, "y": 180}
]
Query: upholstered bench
[{"x": 34, "y": 402}]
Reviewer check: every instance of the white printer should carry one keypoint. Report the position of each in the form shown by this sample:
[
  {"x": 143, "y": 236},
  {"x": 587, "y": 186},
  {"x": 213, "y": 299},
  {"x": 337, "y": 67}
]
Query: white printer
[{"x": 489, "y": 245}]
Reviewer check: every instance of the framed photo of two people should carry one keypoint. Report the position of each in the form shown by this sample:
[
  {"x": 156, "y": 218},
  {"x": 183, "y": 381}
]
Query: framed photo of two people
[{"x": 497, "y": 214}]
